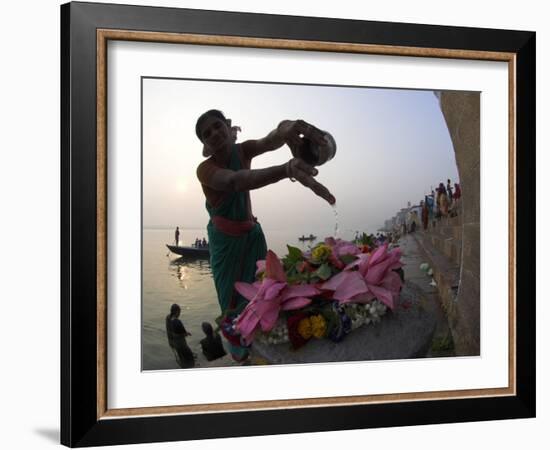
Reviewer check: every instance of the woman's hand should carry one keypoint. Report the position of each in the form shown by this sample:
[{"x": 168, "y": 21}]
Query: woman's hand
[
  {"x": 292, "y": 132},
  {"x": 304, "y": 173}
]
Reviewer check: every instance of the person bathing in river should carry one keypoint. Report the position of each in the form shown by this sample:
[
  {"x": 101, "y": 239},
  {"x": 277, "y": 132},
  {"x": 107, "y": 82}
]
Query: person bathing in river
[
  {"x": 212, "y": 347},
  {"x": 176, "y": 333},
  {"x": 236, "y": 240}
]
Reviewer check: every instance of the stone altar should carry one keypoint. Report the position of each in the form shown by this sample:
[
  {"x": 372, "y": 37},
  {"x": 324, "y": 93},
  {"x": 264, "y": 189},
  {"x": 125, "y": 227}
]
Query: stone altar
[{"x": 404, "y": 333}]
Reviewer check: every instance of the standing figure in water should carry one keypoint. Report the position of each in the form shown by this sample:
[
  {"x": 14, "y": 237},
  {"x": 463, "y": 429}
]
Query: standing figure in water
[
  {"x": 176, "y": 333},
  {"x": 236, "y": 240}
]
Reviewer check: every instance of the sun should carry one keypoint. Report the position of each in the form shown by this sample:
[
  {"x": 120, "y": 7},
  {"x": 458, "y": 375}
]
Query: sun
[{"x": 182, "y": 186}]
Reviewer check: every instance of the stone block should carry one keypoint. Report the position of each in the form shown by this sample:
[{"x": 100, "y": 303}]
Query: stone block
[
  {"x": 471, "y": 248},
  {"x": 462, "y": 115},
  {"x": 466, "y": 332},
  {"x": 457, "y": 232},
  {"x": 402, "y": 334},
  {"x": 450, "y": 231},
  {"x": 457, "y": 252},
  {"x": 448, "y": 245},
  {"x": 471, "y": 199}
]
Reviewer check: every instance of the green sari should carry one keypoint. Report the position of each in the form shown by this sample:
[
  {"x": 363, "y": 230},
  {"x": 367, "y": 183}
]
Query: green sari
[{"x": 235, "y": 243}]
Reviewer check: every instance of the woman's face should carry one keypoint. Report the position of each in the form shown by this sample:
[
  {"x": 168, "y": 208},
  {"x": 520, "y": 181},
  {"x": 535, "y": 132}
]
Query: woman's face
[{"x": 215, "y": 134}]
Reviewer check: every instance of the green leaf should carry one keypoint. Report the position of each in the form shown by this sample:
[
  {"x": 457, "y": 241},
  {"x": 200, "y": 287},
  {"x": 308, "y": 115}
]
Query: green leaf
[
  {"x": 288, "y": 265},
  {"x": 323, "y": 272},
  {"x": 364, "y": 239},
  {"x": 297, "y": 278},
  {"x": 294, "y": 253},
  {"x": 294, "y": 256},
  {"x": 293, "y": 279},
  {"x": 348, "y": 259}
]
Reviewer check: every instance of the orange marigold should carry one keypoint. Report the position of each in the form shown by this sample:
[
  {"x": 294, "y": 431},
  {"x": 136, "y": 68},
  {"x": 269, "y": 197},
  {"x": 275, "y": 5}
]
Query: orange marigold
[
  {"x": 304, "y": 328},
  {"x": 318, "y": 326}
]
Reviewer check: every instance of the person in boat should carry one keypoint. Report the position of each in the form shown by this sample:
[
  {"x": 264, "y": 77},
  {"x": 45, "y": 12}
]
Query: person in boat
[
  {"x": 204, "y": 243},
  {"x": 197, "y": 242},
  {"x": 176, "y": 333},
  {"x": 236, "y": 240},
  {"x": 177, "y": 236},
  {"x": 212, "y": 347}
]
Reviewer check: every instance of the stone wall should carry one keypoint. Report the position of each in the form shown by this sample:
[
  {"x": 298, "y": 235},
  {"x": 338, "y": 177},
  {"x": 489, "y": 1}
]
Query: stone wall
[{"x": 461, "y": 112}]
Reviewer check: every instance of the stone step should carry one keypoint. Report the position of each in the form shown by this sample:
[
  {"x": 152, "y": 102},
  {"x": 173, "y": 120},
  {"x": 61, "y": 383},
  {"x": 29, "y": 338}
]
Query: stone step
[
  {"x": 449, "y": 247},
  {"x": 450, "y": 221},
  {"x": 446, "y": 271},
  {"x": 448, "y": 231}
]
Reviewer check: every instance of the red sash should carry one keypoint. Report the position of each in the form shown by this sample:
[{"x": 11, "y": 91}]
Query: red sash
[{"x": 232, "y": 227}]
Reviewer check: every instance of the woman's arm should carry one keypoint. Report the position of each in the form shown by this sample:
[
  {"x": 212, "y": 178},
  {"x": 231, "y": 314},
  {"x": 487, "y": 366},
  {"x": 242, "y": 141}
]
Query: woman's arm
[
  {"x": 248, "y": 179},
  {"x": 287, "y": 132},
  {"x": 274, "y": 140},
  {"x": 226, "y": 180}
]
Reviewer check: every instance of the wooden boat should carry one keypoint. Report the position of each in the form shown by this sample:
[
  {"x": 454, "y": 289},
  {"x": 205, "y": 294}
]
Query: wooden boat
[
  {"x": 198, "y": 252},
  {"x": 307, "y": 238}
]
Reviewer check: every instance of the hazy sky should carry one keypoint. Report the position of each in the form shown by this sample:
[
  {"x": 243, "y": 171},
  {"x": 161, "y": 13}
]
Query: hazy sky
[{"x": 392, "y": 147}]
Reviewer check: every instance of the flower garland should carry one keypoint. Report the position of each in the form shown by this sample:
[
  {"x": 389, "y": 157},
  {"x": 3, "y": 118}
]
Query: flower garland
[
  {"x": 327, "y": 292},
  {"x": 359, "y": 314}
]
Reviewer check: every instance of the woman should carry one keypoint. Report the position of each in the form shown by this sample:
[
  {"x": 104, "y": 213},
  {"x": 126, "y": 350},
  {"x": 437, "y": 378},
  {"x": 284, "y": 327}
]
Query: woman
[
  {"x": 442, "y": 200},
  {"x": 431, "y": 212},
  {"x": 458, "y": 193},
  {"x": 235, "y": 237},
  {"x": 456, "y": 199},
  {"x": 425, "y": 213}
]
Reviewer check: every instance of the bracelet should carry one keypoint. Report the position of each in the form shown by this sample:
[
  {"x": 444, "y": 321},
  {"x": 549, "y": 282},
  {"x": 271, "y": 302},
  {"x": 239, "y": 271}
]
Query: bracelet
[{"x": 287, "y": 168}]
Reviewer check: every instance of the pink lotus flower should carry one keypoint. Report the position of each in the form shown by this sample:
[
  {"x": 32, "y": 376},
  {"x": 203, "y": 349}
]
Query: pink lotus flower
[
  {"x": 260, "y": 266},
  {"x": 268, "y": 297},
  {"x": 369, "y": 276},
  {"x": 340, "y": 247}
]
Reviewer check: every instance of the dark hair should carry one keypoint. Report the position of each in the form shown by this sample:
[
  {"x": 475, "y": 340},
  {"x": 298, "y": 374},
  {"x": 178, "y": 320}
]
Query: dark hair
[
  {"x": 207, "y": 328},
  {"x": 174, "y": 309},
  {"x": 210, "y": 113}
]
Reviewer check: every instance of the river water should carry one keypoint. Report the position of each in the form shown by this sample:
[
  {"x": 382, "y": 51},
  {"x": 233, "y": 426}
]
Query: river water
[{"x": 169, "y": 279}]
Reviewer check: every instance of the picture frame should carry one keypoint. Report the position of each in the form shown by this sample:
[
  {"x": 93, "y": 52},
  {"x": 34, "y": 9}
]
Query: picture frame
[{"x": 86, "y": 418}]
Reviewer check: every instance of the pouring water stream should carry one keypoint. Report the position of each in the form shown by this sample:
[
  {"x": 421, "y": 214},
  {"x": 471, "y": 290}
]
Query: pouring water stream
[{"x": 335, "y": 220}]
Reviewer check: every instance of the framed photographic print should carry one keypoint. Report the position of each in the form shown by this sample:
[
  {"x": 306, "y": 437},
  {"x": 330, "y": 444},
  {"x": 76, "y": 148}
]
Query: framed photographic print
[{"x": 278, "y": 224}]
